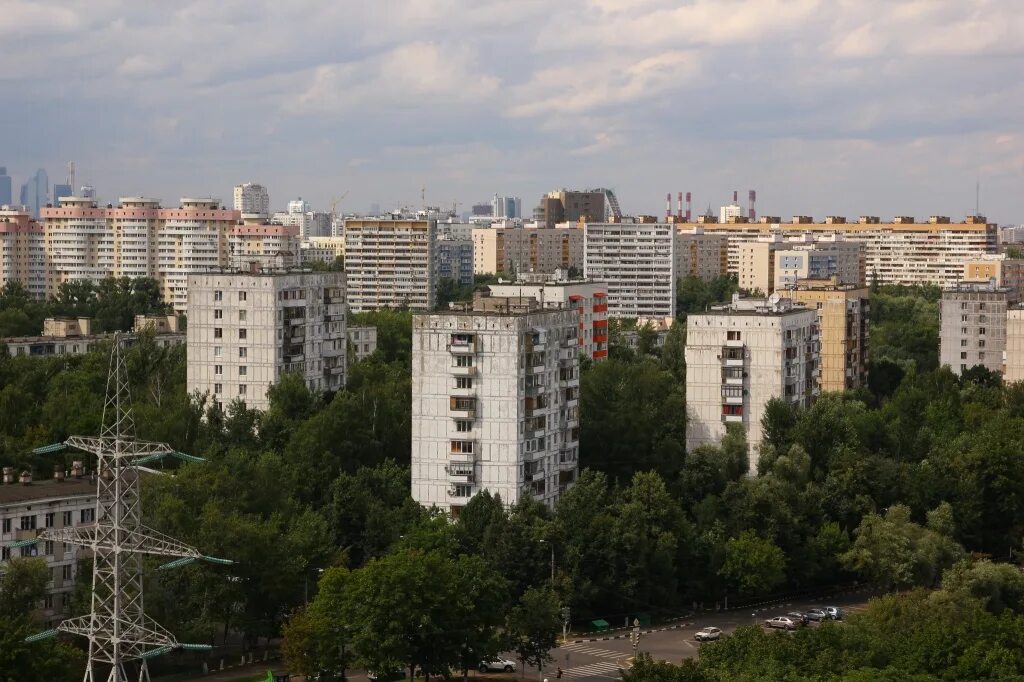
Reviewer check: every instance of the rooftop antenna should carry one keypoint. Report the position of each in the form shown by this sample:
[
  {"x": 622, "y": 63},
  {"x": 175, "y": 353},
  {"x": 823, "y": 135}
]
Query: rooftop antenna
[{"x": 118, "y": 629}]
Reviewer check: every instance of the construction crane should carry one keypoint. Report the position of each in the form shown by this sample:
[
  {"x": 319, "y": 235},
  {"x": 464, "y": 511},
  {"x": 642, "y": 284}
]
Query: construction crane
[{"x": 337, "y": 200}]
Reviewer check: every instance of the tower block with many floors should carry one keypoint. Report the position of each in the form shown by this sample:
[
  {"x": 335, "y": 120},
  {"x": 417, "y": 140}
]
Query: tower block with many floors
[{"x": 117, "y": 627}]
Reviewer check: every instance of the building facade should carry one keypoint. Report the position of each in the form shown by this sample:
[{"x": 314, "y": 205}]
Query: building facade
[
  {"x": 507, "y": 250},
  {"x": 843, "y": 316},
  {"x": 252, "y": 199},
  {"x": 774, "y": 262},
  {"x": 588, "y": 299},
  {"x": 28, "y": 507},
  {"x": 1001, "y": 269},
  {"x": 570, "y": 206},
  {"x": 390, "y": 263},
  {"x": 454, "y": 259},
  {"x": 1014, "y": 357},
  {"x": 362, "y": 342},
  {"x": 271, "y": 246},
  {"x": 741, "y": 355},
  {"x": 495, "y": 403},
  {"x": 701, "y": 254},
  {"x": 35, "y": 192},
  {"x": 637, "y": 262},
  {"x": 22, "y": 251},
  {"x": 246, "y": 329},
  {"x": 973, "y": 326}
]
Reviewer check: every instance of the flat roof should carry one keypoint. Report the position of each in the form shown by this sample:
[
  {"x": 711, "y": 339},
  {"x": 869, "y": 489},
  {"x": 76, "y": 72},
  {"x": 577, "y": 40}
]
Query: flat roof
[{"x": 14, "y": 493}]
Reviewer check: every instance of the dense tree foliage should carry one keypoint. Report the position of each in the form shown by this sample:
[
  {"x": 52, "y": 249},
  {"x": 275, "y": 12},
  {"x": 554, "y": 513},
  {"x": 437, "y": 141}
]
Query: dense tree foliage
[
  {"x": 694, "y": 295},
  {"x": 112, "y": 304}
]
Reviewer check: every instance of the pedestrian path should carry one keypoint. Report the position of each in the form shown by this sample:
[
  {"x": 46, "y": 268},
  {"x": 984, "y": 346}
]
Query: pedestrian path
[
  {"x": 599, "y": 669},
  {"x": 593, "y": 651}
]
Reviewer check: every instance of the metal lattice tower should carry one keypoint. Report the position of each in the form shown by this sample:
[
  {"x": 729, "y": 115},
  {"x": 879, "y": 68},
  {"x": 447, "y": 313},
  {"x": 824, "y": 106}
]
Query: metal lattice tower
[{"x": 117, "y": 627}]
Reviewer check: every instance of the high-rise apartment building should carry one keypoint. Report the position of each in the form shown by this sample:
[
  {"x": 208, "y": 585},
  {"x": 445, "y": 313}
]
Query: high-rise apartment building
[
  {"x": 1013, "y": 363},
  {"x": 22, "y": 251},
  {"x": 843, "y": 312},
  {"x": 252, "y": 199},
  {"x": 495, "y": 396},
  {"x": 137, "y": 238},
  {"x": 570, "y": 206},
  {"x": 248, "y": 328},
  {"x": 454, "y": 259},
  {"x": 774, "y": 262},
  {"x": 898, "y": 252},
  {"x": 27, "y": 508},
  {"x": 506, "y": 207},
  {"x": 999, "y": 268},
  {"x": 730, "y": 213},
  {"x": 588, "y": 299},
  {"x": 270, "y": 246},
  {"x": 701, "y": 254},
  {"x": 35, "y": 192},
  {"x": 637, "y": 262},
  {"x": 390, "y": 263},
  {"x": 5, "y": 187},
  {"x": 504, "y": 250},
  {"x": 973, "y": 326},
  {"x": 741, "y": 355}
]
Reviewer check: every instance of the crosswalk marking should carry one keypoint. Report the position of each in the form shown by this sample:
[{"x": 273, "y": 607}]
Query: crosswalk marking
[
  {"x": 601, "y": 669},
  {"x": 594, "y": 651}
]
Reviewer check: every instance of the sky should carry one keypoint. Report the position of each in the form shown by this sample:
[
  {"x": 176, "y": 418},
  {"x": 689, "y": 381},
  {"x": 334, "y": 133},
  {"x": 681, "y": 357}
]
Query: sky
[{"x": 825, "y": 107}]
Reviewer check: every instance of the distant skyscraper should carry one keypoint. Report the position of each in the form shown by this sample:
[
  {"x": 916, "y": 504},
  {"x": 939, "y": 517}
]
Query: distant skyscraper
[
  {"x": 507, "y": 207},
  {"x": 87, "y": 191},
  {"x": 252, "y": 198},
  {"x": 61, "y": 191},
  {"x": 5, "y": 187},
  {"x": 482, "y": 210},
  {"x": 35, "y": 191}
]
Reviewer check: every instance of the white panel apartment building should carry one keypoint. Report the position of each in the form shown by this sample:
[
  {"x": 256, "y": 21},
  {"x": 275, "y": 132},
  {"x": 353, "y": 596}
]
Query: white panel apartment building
[
  {"x": 390, "y": 263},
  {"x": 974, "y": 326},
  {"x": 495, "y": 403},
  {"x": 740, "y": 356},
  {"x": 27, "y": 508},
  {"x": 247, "y": 329},
  {"x": 588, "y": 299},
  {"x": 637, "y": 262},
  {"x": 252, "y": 199},
  {"x": 1014, "y": 359}
]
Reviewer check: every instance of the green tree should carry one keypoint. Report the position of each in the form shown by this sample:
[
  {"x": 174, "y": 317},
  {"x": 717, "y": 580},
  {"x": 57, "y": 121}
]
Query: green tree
[
  {"x": 753, "y": 565},
  {"x": 533, "y": 626},
  {"x": 997, "y": 586}
]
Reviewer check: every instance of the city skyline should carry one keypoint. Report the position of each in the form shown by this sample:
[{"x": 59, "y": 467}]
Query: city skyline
[{"x": 894, "y": 108}]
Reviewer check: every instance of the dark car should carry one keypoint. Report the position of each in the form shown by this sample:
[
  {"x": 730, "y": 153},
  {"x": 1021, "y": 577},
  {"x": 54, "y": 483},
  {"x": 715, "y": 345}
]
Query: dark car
[
  {"x": 816, "y": 615},
  {"x": 799, "y": 616}
]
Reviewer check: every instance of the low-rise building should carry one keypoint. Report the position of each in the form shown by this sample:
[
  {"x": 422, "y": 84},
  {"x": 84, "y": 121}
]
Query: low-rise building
[
  {"x": 999, "y": 269},
  {"x": 362, "y": 342},
  {"x": 843, "y": 316},
  {"x": 741, "y": 355},
  {"x": 495, "y": 402},
  {"x": 588, "y": 299},
  {"x": 28, "y": 507},
  {"x": 973, "y": 326},
  {"x": 247, "y": 329},
  {"x": 658, "y": 326},
  {"x": 73, "y": 336}
]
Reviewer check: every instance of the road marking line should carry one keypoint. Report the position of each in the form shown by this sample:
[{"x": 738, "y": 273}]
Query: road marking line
[{"x": 592, "y": 670}]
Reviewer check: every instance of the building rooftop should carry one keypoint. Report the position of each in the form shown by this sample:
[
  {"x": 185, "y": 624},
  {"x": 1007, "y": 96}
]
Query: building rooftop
[
  {"x": 17, "y": 493},
  {"x": 773, "y": 305}
]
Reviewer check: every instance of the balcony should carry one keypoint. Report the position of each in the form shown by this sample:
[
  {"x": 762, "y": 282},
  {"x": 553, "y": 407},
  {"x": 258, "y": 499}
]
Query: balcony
[
  {"x": 463, "y": 392},
  {"x": 464, "y": 371},
  {"x": 734, "y": 418},
  {"x": 535, "y": 390},
  {"x": 459, "y": 472},
  {"x": 462, "y": 346},
  {"x": 462, "y": 408},
  {"x": 732, "y": 399},
  {"x": 29, "y": 534}
]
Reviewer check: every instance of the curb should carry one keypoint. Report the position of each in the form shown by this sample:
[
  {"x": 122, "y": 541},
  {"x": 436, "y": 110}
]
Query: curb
[{"x": 625, "y": 635}]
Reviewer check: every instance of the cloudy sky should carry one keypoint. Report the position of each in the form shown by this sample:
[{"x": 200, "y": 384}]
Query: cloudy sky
[{"x": 823, "y": 106}]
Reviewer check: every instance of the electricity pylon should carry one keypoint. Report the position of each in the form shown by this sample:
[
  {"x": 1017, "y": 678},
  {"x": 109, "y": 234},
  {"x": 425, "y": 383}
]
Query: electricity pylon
[{"x": 117, "y": 627}]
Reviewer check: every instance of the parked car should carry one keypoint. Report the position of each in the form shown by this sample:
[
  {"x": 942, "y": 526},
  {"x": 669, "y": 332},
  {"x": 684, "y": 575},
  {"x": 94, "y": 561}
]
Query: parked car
[
  {"x": 708, "y": 634},
  {"x": 816, "y": 615},
  {"x": 498, "y": 665},
  {"x": 798, "y": 616},
  {"x": 834, "y": 612},
  {"x": 397, "y": 674},
  {"x": 784, "y": 622}
]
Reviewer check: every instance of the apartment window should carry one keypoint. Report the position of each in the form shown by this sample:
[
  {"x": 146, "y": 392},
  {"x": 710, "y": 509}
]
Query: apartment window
[
  {"x": 65, "y": 571},
  {"x": 218, "y": 370},
  {"x": 963, "y": 342},
  {"x": 48, "y": 547},
  {"x": 463, "y": 425},
  {"x": 981, "y": 330},
  {"x": 242, "y": 314},
  {"x": 732, "y": 336},
  {"x": 218, "y": 314},
  {"x": 963, "y": 330},
  {"x": 981, "y": 343},
  {"x": 963, "y": 368},
  {"x": 48, "y": 601},
  {"x": 963, "y": 306},
  {"x": 243, "y": 371},
  {"x": 462, "y": 447},
  {"x": 5, "y": 553},
  {"x": 28, "y": 522},
  {"x": 463, "y": 491},
  {"x": 242, "y": 389},
  {"x": 87, "y": 515},
  {"x": 243, "y": 352},
  {"x": 461, "y": 360},
  {"x": 981, "y": 306},
  {"x": 218, "y": 295},
  {"x": 218, "y": 351},
  {"x": 31, "y": 550},
  {"x": 218, "y": 333},
  {"x": 217, "y": 389},
  {"x": 48, "y": 519},
  {"x": 7, "y": 526},
  {"x": 963, "y": 318},
  {"x": 66, "y": 518},
  {"x": 463, "y": 382},
  {"x": 963, "y": 355},
  {"x": 733, "y": 410},
  {"x": 242, "y": 295},
  {"x": 242, "y": 333}
]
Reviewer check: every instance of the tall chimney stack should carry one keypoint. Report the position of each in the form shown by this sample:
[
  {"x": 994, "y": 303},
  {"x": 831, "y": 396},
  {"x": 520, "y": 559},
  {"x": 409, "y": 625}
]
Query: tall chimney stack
[
  {"x": 679, "y": 206},
  {"x": 751, "y": 198},
  {"x": 668, "y": 205},
  {"x": 689, "y": 200}
]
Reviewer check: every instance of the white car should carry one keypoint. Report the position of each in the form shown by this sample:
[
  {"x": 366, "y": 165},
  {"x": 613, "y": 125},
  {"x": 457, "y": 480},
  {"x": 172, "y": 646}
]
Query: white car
[
  {"x": 498, "y": 665},
  {"x": 784, "y": 622},
  {"x": 708, "y": 634}
]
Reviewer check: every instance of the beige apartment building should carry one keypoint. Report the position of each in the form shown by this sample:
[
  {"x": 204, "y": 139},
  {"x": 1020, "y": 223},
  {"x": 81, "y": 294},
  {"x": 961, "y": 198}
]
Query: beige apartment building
[
  {"x": 137, "y": 238},
  {"x": 701, "y": 254},
  {"x": 22, "y": 251},
  {"x": 774, "y": 262},
  {"x": 495, "y": 403},
  {"x": 270, "y": 246},
  {"x": 741, "y": 355},
  {"x": 247, "y": 329},
  {"x": 390, "y": 263},
  {"x": 504, "y": 250},
  {"x": 901, "y": 251},
  {"x": 974, "y": 326},
  {"x": 570, "y": 206},
  {"x": 1014, "y": 357},
  {"x": 843, "y": 312},
  {"x": 998, "y": 268}
]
